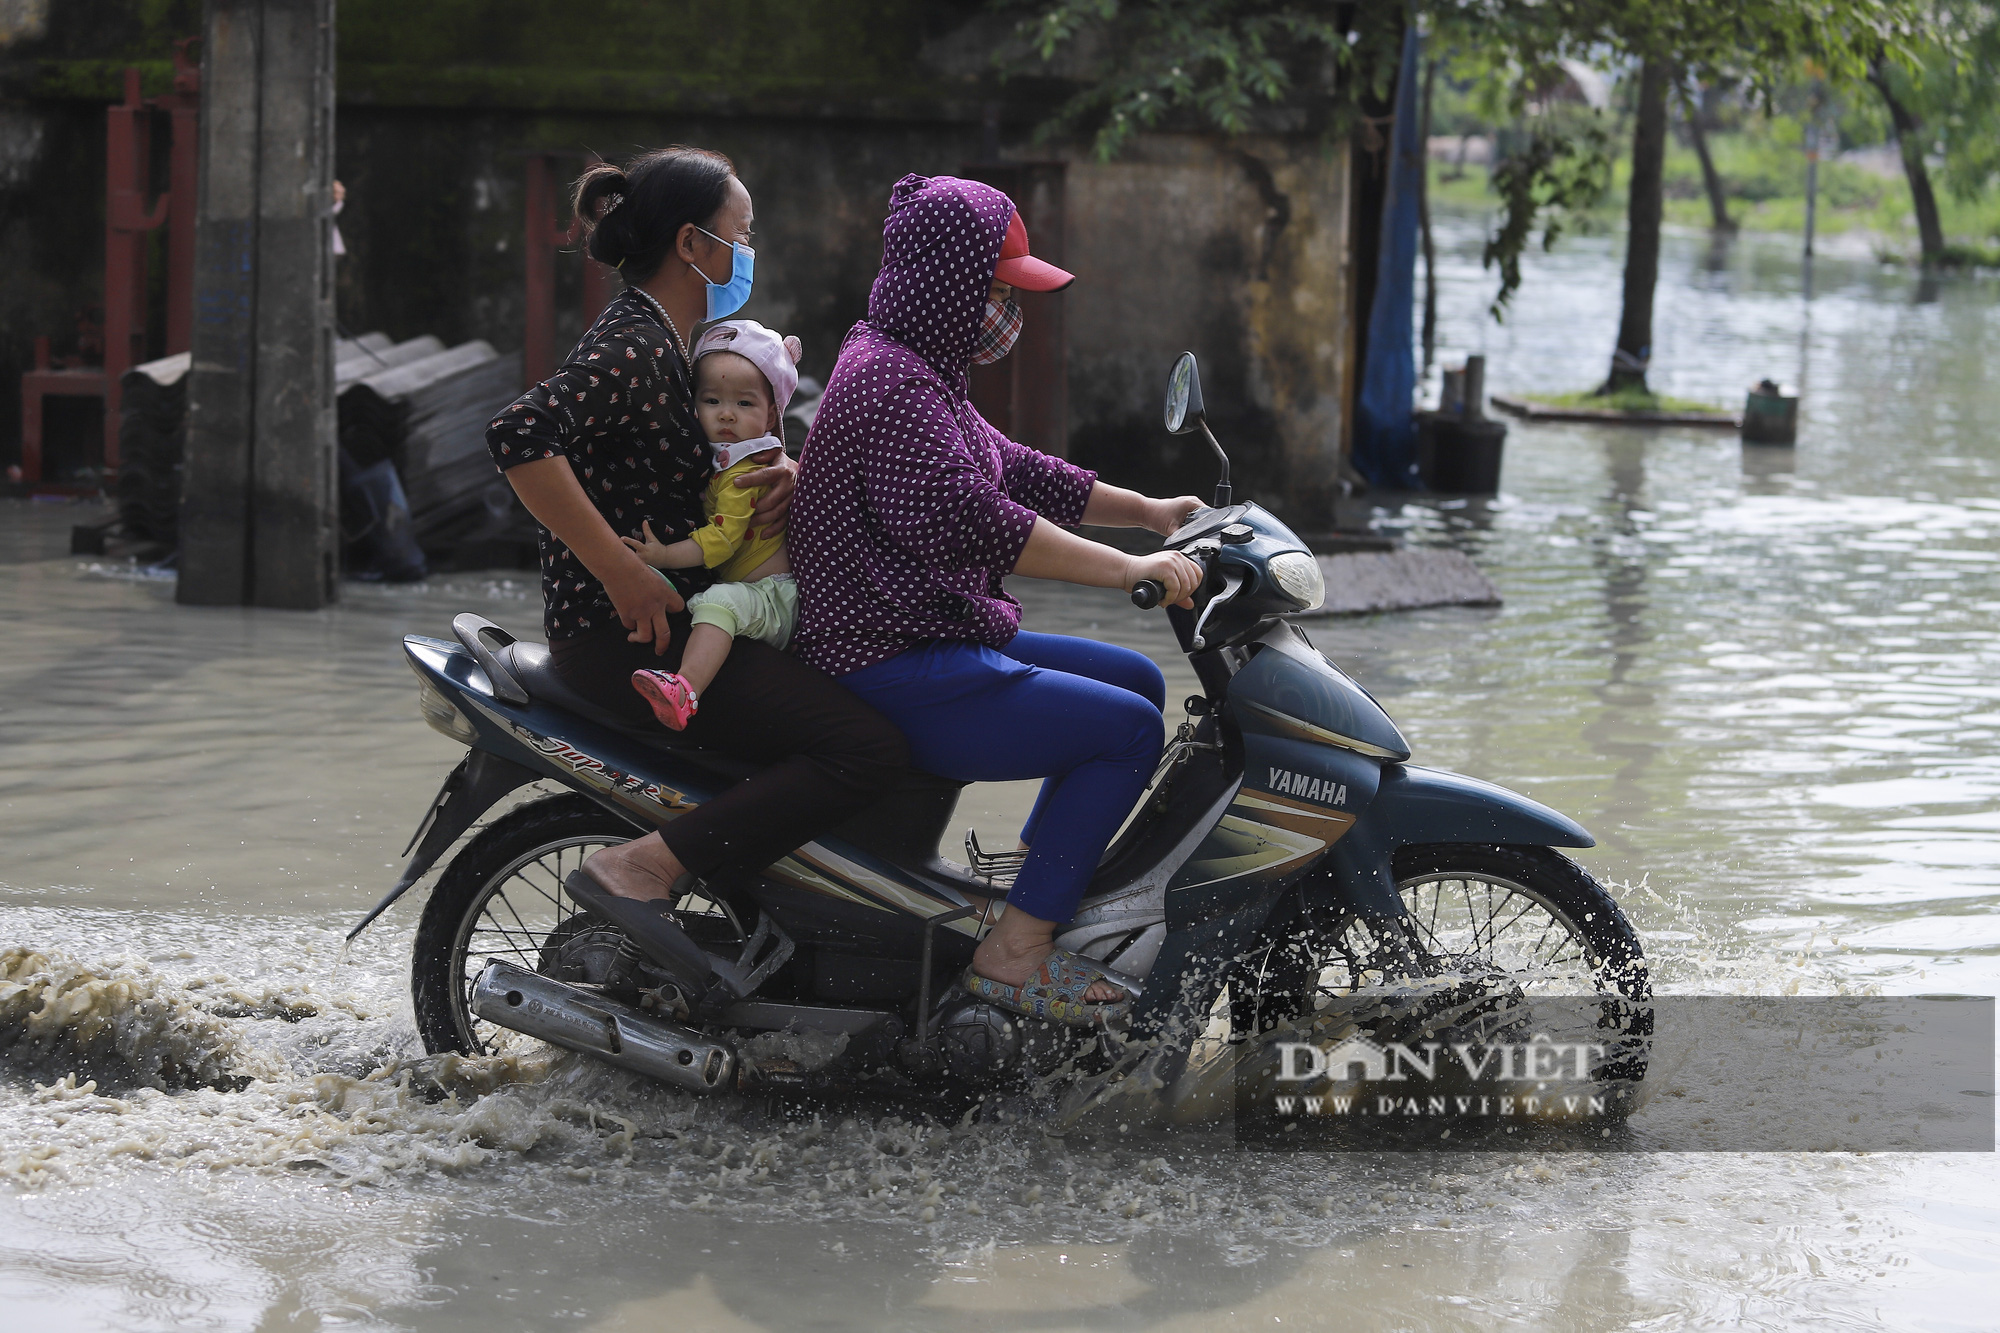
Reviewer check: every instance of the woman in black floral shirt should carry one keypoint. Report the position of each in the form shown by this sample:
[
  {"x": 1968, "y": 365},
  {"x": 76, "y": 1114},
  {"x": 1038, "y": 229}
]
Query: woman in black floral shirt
[{"x": 610, "y": 442}]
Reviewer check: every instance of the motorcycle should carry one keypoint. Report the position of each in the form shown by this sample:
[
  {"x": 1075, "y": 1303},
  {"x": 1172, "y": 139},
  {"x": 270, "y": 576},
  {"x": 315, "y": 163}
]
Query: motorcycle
[{"x": 1286, "y": 854}]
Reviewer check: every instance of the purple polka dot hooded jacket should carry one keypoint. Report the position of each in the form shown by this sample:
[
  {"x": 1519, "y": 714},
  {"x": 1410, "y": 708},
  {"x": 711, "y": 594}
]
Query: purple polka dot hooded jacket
[{"x": 911, "y": 509}]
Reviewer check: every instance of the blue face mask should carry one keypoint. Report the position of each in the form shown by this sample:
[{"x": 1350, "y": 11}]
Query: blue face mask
[{"x": 726, "y": 298}]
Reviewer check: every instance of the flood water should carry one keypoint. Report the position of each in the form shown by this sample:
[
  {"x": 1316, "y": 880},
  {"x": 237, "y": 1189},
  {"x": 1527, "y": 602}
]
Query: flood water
[{"x": 1766, "y": 679}]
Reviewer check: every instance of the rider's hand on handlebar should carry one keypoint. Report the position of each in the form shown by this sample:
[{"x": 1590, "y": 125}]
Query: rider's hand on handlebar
[
  {"x": 643, "y": 598},
  {"x": 1179, "y": 575},
  {"x": 1166, "y": 517}
]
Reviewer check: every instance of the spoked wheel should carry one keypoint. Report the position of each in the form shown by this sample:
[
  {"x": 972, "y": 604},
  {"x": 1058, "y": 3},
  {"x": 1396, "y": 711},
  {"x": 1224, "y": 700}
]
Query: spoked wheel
[
  {"x": 1527, "y": 913},
  {"x": 502, "y": 897},
  {"x": 1524, "y": 919}
]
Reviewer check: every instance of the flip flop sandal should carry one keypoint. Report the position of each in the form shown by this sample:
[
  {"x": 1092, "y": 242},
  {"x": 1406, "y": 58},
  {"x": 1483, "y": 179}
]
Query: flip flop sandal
[
  {"x": 1056, "y": 991},
  {"x": 649, "y": 921}
]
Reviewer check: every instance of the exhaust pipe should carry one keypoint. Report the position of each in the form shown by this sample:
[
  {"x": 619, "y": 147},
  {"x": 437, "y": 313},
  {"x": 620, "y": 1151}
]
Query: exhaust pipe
[{"x": 577, "y": 1020}]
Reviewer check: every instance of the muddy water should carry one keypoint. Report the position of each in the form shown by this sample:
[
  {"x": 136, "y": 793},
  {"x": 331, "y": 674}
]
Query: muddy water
[{"x": 1764, "y": 679}]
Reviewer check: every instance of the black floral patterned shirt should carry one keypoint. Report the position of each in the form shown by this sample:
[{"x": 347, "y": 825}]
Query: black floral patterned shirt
[{"x": 621, "y": 409}]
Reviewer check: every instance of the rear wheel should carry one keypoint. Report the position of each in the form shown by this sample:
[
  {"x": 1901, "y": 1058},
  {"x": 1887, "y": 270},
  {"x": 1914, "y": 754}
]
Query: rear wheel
[{"x": 502, "y": 897}]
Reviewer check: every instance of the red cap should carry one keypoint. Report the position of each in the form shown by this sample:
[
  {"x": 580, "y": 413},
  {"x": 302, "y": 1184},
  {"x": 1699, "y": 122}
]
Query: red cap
[{"x": 1018, "y": 268}]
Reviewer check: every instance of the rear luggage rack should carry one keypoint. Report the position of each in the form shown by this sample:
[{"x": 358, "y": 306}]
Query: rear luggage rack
[{"x": 996, "y": 868}]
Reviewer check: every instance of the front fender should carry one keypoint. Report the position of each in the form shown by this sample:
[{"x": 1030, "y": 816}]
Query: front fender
[
  {"x": 1420, "y": 805},
  {"x": 1417, "y": 805}
]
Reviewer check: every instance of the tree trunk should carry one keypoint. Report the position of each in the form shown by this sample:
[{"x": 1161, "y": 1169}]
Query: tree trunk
[
  {"x": 1424, "y": 219},
  {"x": 1642, "y": 243},
  {"x": 1711, "y": 179},
  {"x": 1910, "y": 142}
]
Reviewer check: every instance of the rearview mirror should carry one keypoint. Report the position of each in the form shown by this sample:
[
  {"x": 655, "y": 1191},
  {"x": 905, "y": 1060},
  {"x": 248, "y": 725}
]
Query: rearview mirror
[
  {"x": 1183, "y": 396},
  {"x": 1184, "y": 413}
]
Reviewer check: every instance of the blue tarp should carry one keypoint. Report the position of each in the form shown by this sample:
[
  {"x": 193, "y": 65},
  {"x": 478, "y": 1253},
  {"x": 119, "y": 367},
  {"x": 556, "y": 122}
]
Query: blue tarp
[{"x": 1385, "y": 424}]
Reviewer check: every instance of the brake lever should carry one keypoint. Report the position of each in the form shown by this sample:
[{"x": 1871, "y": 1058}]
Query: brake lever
[{"x": 1232, "y": 583}]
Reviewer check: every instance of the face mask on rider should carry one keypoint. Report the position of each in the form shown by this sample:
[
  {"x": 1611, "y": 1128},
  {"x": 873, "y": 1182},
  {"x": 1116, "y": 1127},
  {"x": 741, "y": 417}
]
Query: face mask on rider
[
  {"x": 999, "y": 327},
  {"x": 726, "y": 298}
]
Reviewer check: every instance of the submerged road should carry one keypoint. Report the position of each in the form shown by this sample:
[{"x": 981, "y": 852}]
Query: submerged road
[{"x": 1768, "y": 680}]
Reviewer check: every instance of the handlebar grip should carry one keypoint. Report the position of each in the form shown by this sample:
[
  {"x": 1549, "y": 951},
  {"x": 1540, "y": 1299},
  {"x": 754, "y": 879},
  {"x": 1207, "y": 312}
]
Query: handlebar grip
[{"x": 1148, "y": 593}]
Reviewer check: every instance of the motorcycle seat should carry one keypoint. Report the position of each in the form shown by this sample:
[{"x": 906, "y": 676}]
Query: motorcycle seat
[
  {"x": 535, "y": 670},
  {"x": 904, "y": 825},
  {"x": 532, "y": 666}
]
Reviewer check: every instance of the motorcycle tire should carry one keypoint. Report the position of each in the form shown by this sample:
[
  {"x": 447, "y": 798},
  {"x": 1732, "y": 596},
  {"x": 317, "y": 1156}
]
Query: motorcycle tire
[
  {"x": 563, "y": 828},
  {"x": 1284, "y": 980},
  {"x": 1571, "y": 893}
]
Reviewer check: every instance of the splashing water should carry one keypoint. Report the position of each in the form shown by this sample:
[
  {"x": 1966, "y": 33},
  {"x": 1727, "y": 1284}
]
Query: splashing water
[{"x": 1763, "y": 680}]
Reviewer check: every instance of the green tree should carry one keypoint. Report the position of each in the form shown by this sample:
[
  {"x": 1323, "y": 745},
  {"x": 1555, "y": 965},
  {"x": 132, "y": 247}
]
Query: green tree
[
  {"x": 1945, "y": 98},
  {"x": 1234, "y": 65},
  {"x": 1696, "y": 115},
  {"x": 1758, "y": 42}
]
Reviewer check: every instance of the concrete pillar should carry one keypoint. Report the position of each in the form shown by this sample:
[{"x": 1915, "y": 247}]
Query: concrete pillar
[
  {"x": 295, "y": 494},
  {"x": 215, "y": 479},
  {"x": 259, "y": 508}
]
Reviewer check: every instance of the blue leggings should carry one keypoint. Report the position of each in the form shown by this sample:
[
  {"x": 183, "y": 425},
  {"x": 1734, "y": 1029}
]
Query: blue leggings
[{"x": 1084, "y": 715}]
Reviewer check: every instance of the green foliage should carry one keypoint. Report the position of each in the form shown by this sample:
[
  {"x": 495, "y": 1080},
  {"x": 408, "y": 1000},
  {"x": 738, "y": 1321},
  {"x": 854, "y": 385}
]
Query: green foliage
[
  {"x": 1223, "y": 63},
  {"x": 1953, "y": 86},
  {"x": 1763, "y": 169},
  {"x": 1961, "y": 255},
  {"x": 1235, "y": 65},
  {"x": 1558, "y": 172}
]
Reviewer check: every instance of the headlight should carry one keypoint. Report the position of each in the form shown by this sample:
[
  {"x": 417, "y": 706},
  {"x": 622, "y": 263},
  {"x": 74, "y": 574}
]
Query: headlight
[
  {"x": 443, "y": 714},
  {"x": 1297, "y": 576}
]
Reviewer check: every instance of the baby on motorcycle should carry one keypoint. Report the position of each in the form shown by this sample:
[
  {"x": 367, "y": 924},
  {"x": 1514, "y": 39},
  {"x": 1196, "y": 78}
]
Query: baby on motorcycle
[{"x": 744, "y": 379}]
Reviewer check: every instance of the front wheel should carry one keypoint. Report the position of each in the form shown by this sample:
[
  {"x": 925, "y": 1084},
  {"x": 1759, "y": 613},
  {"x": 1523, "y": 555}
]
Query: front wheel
[
  {"x": 1528, "y": 912},
  {"x": 1525, "y": 917}
]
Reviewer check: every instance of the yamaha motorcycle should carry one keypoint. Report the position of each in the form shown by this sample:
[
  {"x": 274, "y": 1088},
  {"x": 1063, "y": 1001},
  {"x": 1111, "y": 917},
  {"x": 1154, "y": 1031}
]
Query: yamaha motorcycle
[{"x": 1286, "y": 854}]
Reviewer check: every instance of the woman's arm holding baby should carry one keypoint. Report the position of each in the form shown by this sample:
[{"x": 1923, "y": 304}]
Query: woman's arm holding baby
[
  {"x": 683, "y": 554},
  {"x": 773, "y": 482},
  {"x": 551, "y": 492}
]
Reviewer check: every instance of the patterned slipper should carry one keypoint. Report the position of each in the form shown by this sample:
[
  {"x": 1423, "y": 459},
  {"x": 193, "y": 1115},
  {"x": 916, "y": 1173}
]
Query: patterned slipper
[
  {"x": 672, "y": 698},
  {"x": 1056, "y": 991}
]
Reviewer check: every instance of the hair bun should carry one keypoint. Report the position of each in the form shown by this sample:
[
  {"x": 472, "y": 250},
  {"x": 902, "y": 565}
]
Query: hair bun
[
  {"x": 633, "y": 214},
  {"x": 601, "y": 189}
]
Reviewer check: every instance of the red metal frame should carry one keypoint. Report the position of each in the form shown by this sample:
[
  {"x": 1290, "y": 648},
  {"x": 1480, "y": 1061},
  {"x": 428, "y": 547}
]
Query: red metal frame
[
  {"x": 128, "y": 134},
  {"x": 42, "y": 382},
  {"x": 543, "y": 238},
  {"x": 127, "y": 165}
]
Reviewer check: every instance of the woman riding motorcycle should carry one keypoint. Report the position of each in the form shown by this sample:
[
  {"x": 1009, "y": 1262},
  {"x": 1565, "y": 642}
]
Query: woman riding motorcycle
[{"x": 911, "y": 511}]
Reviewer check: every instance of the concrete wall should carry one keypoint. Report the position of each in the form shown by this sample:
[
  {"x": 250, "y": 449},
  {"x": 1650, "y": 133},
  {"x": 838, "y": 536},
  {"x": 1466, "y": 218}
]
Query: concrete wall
[{"x": 1236, "y": 251}]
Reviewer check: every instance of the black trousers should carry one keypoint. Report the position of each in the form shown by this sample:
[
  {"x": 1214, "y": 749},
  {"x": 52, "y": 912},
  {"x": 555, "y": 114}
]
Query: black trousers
[{"x": 829, "y": 755}]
